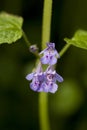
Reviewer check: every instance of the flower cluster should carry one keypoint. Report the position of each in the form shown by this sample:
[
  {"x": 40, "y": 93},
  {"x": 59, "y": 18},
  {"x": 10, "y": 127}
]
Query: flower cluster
[{"x": 46, "y": 81}]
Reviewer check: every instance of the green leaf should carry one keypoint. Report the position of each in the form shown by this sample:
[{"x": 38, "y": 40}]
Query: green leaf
[
  {"x": 10, "y": 28},
  {"x": 79, "y": 39}
]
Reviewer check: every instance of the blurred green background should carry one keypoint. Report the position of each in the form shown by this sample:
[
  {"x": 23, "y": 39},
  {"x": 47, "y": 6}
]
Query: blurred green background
[{"x": 19, "y": 104}]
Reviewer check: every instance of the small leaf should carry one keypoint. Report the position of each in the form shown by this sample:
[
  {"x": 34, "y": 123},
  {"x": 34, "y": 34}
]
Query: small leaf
[
  {"x": 79, "y": 39},
  {"x": 10, "y": 28}
]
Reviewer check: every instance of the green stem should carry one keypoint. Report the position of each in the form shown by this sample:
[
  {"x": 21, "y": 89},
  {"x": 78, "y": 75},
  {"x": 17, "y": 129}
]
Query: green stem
[
  {"x": 29, "y": 44},
  {"x": 47, "y": 12},
  {"x": 43, "y": 97},
  {"x": 26, "y": 39},
  {"x": 64, "y": 49},
  {"x": 43, "y": 111}
]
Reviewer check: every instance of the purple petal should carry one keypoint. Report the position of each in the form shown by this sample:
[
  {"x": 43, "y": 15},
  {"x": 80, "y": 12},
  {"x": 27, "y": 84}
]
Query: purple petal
[
  {"x": 59, "y": 78},
  {"x": 53, "y": 60},
  {"x": 44, "y": 60},
  {"x": 57, "y": 54},
  {"x": 51, "y": 45},
  {"x": 50, "y": 87},
  {"x": 41, "y": 77},
  {"x": 30, "y": 76},
  {"x": 46, "y": 87},
  {"x": 53, "y": 88},
  {"x": 40, "y": 89},
  {"x": 33, "y": 87}
]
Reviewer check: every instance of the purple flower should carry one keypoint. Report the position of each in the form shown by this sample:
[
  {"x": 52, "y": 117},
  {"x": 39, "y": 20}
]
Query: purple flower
[
  {"x": 50, "y": 54},
  {"x": 44, "y": 81},
  {"x": 37, "y": 79},
  {"x": 51, "y": 77}
]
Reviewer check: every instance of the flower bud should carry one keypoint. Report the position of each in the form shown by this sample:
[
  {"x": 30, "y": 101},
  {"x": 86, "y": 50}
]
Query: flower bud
[{"x": 33, "y": 49}]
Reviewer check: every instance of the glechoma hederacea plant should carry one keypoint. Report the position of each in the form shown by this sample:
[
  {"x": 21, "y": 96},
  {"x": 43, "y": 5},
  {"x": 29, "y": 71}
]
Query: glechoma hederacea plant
[{"x": 42, "y": 81}]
